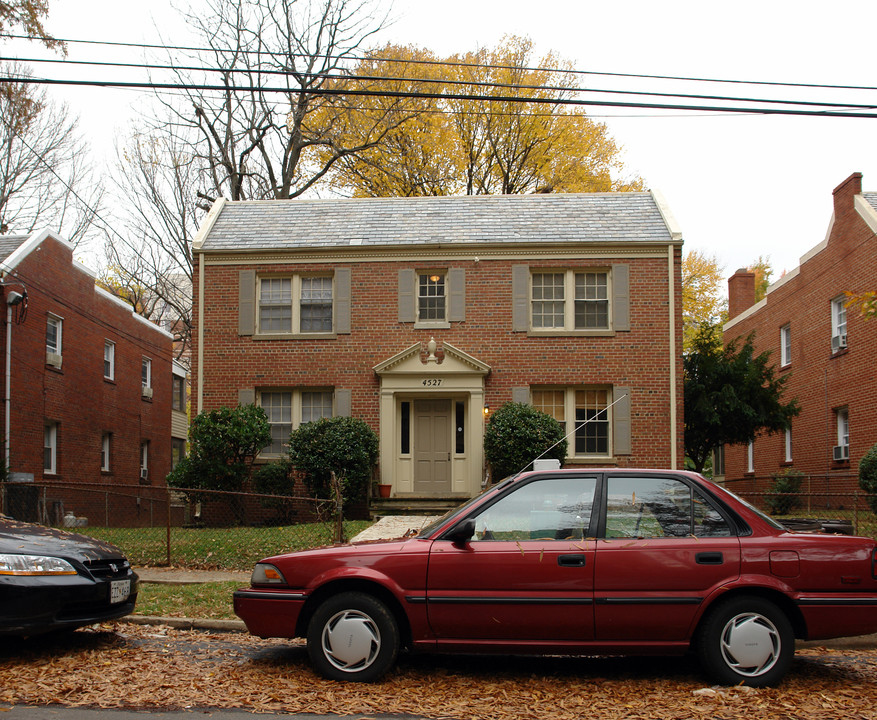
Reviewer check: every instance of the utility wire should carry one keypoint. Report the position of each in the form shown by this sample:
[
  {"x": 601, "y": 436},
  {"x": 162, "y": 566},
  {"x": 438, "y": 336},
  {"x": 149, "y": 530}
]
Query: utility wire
[
  {"x": 515, "y": 99},
  {"x": 305, "y": 78},
  {"x": 640, "y": 76}
]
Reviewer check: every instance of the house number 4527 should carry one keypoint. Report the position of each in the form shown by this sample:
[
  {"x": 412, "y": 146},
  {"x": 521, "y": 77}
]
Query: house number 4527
[{"x": 432, "y": 382}]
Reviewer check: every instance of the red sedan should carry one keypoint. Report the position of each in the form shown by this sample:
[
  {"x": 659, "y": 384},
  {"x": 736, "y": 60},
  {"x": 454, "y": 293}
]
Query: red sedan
[{"x": 587, "y": 562}]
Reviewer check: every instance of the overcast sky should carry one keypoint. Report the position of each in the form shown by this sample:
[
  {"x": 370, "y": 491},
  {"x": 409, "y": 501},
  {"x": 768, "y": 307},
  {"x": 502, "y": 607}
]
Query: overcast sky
[{"x": 739, "y": 186}]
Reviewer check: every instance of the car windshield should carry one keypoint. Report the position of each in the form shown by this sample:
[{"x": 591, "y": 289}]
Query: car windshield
[{"x": 461, "y": 510}]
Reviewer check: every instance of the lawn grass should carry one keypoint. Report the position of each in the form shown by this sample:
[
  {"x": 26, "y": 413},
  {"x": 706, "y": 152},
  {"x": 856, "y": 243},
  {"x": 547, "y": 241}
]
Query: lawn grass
[
  {"x": 234, "y": 548},
  {"x": 202, "y": 600}
]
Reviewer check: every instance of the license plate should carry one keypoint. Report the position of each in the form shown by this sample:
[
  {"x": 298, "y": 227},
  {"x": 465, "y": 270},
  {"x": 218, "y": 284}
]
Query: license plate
[{"x": 119, "y": 590}]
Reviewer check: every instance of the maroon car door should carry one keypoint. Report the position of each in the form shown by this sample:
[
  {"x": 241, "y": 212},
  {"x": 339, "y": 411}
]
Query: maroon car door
[
  {"x": 527, "y": 574},
  {"x": 665, "y": 548}
]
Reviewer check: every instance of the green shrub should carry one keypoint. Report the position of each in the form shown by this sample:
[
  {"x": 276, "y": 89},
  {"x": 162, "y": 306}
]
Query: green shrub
[
  {"x": 275, "y": 478},
  {"x": 517, "y": 434},
  {"x": 786, "y": 487},
  {"x": 868, "y": 476},
  {"x": 345, "y": 445}
]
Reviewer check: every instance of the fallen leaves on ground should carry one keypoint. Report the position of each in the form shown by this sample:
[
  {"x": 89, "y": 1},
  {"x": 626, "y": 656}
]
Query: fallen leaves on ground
[{"x": 130, "y": 666}]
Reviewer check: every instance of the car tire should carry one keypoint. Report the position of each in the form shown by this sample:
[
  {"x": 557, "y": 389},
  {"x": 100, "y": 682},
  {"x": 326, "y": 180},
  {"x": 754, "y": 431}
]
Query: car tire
[
  {"x": 746, "y": 640},
  {"x": 353, "y": 636}
]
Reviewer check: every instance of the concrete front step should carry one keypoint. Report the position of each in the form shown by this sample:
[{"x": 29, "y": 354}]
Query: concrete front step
[{"x": 413, "y": 505}]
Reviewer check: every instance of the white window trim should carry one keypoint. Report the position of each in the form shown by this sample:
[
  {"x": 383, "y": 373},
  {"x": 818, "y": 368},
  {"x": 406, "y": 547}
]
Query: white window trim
[
  {"x": 418, "y": 321},
  {"x": 750, "y": 457},
  {"x": 59, "y": 324},
  {"x": 786, "y": 345},
  {"x": 50, "y": 433},
  {"x": 295, "y": 299},
  {"x": 144, "y": 460},
  {"x": 838, "y": 327},
  {"x": 105, "y": 452},
  {"x": 111, "y": 346},
  {"x": 569, "y": 412},
  {"x": 843, "y": 426},
  {"x": 788, "y": 445},
  {"x": 295, "y": 407},
  {"x": 147, "y": 363},
  {"x": 569, "y": 312}
]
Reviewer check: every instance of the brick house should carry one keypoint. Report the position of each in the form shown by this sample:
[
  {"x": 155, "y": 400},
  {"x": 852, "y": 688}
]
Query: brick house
[
  {"x": 88, "y": 384},
  {"x": 422, "y": 315},
  {"x": 826, "y": 349}
]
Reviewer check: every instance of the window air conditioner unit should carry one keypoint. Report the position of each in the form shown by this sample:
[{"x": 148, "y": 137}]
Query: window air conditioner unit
[
  {"x": 838, "y": 342},
  {"x": 144, "y": 474},
  {"x": 841, "y": 452},
  {"x": 53, "y": 359},
  {"x": 146, "y": 391}
]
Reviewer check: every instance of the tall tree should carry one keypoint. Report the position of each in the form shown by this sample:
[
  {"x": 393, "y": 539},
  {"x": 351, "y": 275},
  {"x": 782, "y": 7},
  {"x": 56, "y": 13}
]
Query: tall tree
[
  {"x": 458, "y": 144},
  {"x": 45, "y": 176},
  {"x": 763, "y": 272},
  {"x": 28, "y": 15},
  {"x": 156, "y": 183},
  {"x": 731, "y": 395},
  {"x": 865, "y": 301},
  {"x": 260, "y": 144},
  {"x": 703, "y": 301}
]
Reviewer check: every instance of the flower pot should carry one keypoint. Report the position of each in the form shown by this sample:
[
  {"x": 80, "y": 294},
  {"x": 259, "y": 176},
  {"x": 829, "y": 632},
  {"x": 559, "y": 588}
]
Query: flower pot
[{"x": 384, "y": 490}]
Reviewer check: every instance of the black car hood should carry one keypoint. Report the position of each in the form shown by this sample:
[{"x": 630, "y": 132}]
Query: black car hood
[{"x": 29, "y": 539}]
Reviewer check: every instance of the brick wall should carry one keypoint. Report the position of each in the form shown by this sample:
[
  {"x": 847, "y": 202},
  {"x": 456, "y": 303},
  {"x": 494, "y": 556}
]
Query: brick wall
[
  {"x": 77, "y": 396},
  {"x": 821, "y": 381},
  {"x": 638, "y": 358}
]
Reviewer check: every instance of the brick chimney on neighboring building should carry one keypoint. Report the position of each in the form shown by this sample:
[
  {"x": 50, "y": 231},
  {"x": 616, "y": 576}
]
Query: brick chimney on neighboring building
[{"x": 741, "y": 292}]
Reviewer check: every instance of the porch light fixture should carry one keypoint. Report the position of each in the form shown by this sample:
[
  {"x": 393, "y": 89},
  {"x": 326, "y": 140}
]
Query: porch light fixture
[{"x": 486, "y": 410}]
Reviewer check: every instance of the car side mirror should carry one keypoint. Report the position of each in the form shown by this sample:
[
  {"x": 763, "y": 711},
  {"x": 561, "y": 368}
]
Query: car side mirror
[{"x": 462, "y": 532}]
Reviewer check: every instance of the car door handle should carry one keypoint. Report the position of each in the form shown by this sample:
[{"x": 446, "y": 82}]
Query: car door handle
[
  {"x": 709, "y": 558},
  {"x": 571, "y": 560}
]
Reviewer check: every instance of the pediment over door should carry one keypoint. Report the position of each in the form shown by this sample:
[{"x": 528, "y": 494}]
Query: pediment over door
[{"x": 448, "y": 361}]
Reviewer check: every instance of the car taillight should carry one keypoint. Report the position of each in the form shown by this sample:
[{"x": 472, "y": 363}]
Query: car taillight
[{"x": 874, "y": 563}]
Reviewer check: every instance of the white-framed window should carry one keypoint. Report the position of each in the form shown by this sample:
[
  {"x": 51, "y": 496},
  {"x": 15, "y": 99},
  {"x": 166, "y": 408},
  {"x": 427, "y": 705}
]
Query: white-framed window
[
  {"x": 287, "y": 409},
  {"x": 569, "y": 300},
  {"x": 785, "y": 345},
  {"x": 54, "y": 328},
  {"x": 838, "y": 324},
  {"x": 144, "y": 461},
  {"x": 50, "y": 448},
  {"x": 750, "y": 457},
  {"x": 431, "y": 297},
  {"x": 146, "y": 373},
  {"x": 585, "y": 414},
  {"x": 109, "y": 359},
  {"x": 105, "y": 442},
  {"x": 843, "y": 427},
  {"x": 298, "y": 304},
  {"x": 788, "y": 445},
  {"x": 178, "y": 393}
]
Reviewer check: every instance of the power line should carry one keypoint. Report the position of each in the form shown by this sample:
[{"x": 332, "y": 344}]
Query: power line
[
  {"x": 406, "y": 94},
  {"x": 304, "y": 78},
  {"x": 641, "y": 76}
]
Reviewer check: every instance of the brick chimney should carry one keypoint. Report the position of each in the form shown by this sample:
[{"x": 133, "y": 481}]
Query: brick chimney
[
  {"x": 845, "y": 192},
  {"x": 741, "y": 292}
]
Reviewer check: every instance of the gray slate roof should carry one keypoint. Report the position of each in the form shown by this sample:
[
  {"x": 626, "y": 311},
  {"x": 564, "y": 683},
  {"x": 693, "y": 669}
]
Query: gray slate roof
[
  {"x": 871, "y": 197},
  {"x": 9, "y": 244},
  {"x": 300, "y": 224}
]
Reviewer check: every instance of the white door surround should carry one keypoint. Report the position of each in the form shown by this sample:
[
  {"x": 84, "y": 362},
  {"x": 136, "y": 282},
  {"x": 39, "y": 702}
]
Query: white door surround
[{"x": 429, "y": 371}]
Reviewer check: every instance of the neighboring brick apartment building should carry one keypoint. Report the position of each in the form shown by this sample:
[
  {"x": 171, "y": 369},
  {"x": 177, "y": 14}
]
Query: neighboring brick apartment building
[
  {"x": 423, "y": 315},
  {"x": 88, "y": 394},
  {"x": 826, "y": 350}
]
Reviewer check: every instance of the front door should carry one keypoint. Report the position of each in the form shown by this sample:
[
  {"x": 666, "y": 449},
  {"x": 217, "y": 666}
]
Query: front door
[{"x": 432, "y": 446}]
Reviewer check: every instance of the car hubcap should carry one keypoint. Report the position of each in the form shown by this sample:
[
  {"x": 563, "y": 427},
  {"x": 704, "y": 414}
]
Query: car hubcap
[
  {"x": 351, "y": 641},
  {"x": 750, "y": 644}
]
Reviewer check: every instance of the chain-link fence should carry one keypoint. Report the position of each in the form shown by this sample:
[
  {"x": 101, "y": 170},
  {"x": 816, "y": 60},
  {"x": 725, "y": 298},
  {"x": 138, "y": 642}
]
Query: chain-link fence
[
  {"x": 156, "y": 525},
  {"x": 830, "y": 502}
]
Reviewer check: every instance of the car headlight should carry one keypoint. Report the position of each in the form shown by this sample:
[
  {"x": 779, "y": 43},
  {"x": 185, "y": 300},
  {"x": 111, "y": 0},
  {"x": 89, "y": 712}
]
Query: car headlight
[
  {"x": 266, "y": 574},
  {"x": 12, "y": 564}
]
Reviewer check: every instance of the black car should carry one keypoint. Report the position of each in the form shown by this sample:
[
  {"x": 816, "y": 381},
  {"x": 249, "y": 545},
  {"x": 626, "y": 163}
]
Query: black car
[{"x": 56, "y": 580}]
